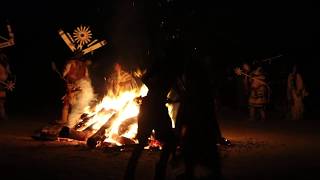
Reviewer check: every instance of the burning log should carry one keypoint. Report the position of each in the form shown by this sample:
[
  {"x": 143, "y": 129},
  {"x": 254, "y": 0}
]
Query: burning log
[
  {"x": 125, "y": 125},
  {"x": 71, "y": 133},
  {"x": 100, "y": 134},
  {"x": 84, "y": 118},
  {"x": 50, "y": 132},
  {"x": 123, "y": 140},
  {"x": 125, "y": 143}
]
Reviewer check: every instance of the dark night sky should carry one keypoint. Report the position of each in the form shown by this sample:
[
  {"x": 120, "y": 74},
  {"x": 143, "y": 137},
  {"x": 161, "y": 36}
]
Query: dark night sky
[{"x": 242, "y": 32}]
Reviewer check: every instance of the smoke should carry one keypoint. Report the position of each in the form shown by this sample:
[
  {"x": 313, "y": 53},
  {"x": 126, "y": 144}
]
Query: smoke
[
  {"x": 82, "y": 100},
  {"x": 128, "y": 33}
]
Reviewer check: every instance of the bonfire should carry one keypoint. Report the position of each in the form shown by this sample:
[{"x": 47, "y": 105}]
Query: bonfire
[{"x": 111, "y": 122}]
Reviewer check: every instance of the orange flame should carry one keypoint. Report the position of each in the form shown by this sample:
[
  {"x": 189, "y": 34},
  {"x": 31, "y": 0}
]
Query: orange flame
[{"x": 124, "y": 107}]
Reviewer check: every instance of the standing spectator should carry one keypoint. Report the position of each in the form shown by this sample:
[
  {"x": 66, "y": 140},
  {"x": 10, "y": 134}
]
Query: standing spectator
[
  {"x": 296, "y": 93},
  {"x": 4, "y": 84},
  {"x": 259, "y": 95}
]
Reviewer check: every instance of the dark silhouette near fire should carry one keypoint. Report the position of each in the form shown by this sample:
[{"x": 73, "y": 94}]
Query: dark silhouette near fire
[
  {"x": 154, "y": 115},
  {"x": 197, "y": 121},
  {"x": 171, "y": 45}
]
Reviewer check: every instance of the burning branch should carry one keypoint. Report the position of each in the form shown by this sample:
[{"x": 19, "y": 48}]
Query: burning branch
[
  {"x": 83, "y": 121},
  {"x": 100, "y": 135}
]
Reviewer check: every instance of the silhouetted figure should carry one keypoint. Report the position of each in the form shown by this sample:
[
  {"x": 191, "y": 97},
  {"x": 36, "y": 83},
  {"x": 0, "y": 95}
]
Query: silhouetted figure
[
  {"x": 296, "y": 93},
  {"x": 4, "y": 84},
  {"x": 177, "y": 30},
  {"x": 154, "y": 115},
  {"x": 259, "y": 95},
  {"x": 200, "y": 132},
  {"x": 243, "y": 88}
]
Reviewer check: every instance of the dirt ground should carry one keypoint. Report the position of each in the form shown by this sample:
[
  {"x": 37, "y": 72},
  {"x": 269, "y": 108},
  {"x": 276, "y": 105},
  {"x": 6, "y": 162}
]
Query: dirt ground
[{"x": 277, "y": 149}]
